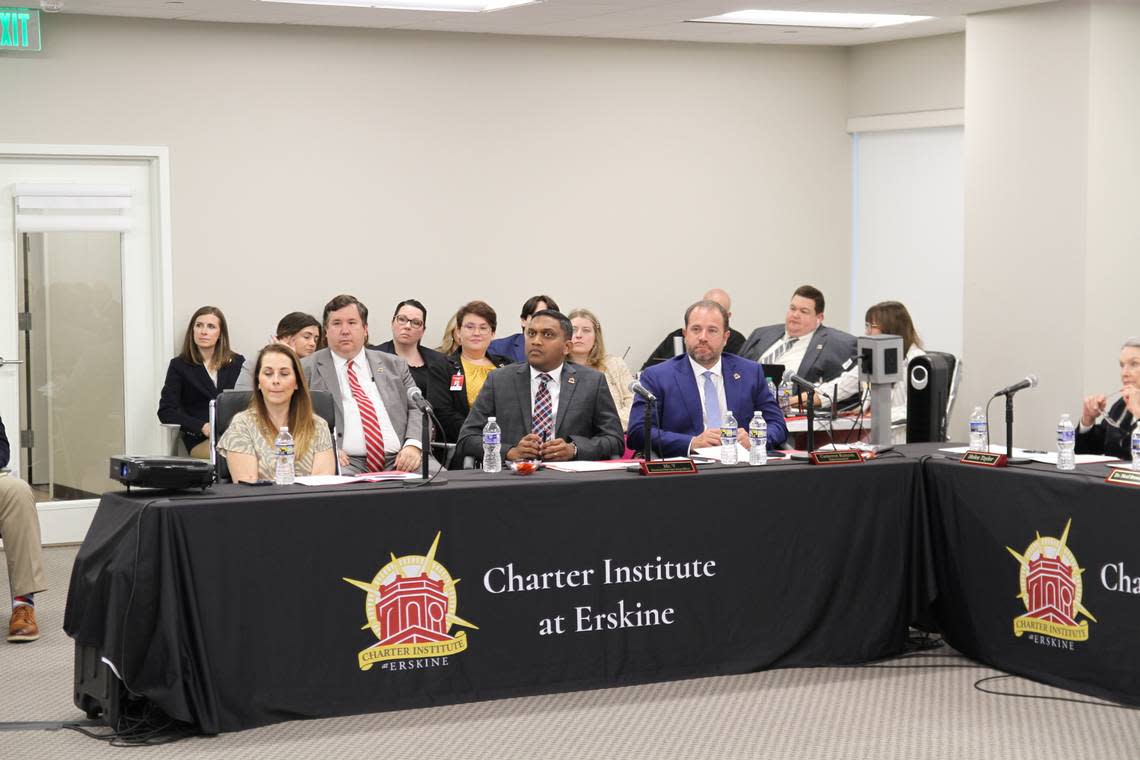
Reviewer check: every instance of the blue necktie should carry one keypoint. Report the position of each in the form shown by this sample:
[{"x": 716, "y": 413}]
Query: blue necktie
[{"x": 713, "y": 416}]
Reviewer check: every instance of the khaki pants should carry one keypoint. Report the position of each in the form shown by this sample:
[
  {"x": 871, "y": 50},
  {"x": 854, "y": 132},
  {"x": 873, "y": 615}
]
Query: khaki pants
[{"x": 20, "y": 530}]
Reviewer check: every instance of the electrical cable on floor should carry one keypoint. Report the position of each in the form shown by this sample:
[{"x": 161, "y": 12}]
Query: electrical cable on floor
[
  {"x": 44, "y": 725},
  {"x": 980, "y": 681}
]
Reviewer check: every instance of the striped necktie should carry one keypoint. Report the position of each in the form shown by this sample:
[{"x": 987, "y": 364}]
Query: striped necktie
[
  {"x": 373, "y": 438},
  {"x": 781, "y": 349},
  {"x": 543, "y": 410}
]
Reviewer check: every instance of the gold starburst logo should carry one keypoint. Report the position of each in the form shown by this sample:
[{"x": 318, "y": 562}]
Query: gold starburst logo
[
  {"x": 1051, "y": 590},
  {"x": 410, "y": 607}
]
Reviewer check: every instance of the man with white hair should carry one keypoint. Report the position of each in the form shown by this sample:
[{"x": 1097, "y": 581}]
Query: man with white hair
[{"x": 667, "y": 348}]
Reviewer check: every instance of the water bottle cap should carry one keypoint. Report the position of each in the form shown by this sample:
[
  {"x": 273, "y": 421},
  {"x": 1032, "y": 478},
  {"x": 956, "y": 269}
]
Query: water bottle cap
[
  {"x": 283, "y": 429},
  {"x": 490, "y": 419}
]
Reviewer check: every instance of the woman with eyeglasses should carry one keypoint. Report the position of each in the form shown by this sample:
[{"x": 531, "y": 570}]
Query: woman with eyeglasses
[
  {"x": 475, "y": 324},
  {"x": 430, "y": 369},
  {"x": 1112, "y": 434}
]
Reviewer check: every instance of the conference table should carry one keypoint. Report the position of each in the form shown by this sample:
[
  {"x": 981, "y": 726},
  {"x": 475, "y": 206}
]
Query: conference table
[{"x": 247, "y": 605}]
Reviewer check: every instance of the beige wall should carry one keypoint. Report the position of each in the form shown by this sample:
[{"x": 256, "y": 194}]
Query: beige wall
[
  {"x": 923, "y": 74},
  {"x": 310, "y": 161},
  {"x": 1051, "y": 241}
]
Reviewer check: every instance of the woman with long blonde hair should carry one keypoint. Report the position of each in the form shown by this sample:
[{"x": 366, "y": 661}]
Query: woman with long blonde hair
[
  {"x": 588, "y": 348},
  {"x": 280, "y": 399}
]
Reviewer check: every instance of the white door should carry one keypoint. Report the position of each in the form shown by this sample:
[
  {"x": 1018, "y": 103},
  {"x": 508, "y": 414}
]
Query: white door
[{"x": 84, "y": 268}]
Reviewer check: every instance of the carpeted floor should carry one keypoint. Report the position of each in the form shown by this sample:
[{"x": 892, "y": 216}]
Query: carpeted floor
[{"x": 924, "y": 706}]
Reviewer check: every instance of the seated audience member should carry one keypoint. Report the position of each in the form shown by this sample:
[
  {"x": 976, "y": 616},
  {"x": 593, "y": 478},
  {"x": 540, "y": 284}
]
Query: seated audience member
[
  {"x": 430, "y": 370},
  {"x": 589, "y": 349},
  {"x": 205, "y": 367},
  {"x": 693, "y": 391},
  {"x": 665, "y": 349},
  {"x": 513, "y": 346},
  {"x": 448, "y": 342},
  {"x": 297, "y": 330},
  {"x": 1112, "y": 434},
  {"x": 378, "y": 426},
  {"x": 802, "y": 343},
  {"x": 884, "y": 318},
  {"x": 281, "y": 399},
  {"x": 20, "y": 529},
  {"x": 472, "y": 362},
  {"x": 548, "y": 408}
]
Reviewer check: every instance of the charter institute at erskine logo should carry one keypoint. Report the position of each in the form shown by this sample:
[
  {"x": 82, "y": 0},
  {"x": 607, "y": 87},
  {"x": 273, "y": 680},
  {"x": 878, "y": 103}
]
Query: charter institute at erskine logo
[
  {"x": 410, "y": 605},
  {"x": 1051, "y": 590}
]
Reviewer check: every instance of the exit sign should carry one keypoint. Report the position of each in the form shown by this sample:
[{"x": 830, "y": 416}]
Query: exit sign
[{"x": 20, "y": 29}]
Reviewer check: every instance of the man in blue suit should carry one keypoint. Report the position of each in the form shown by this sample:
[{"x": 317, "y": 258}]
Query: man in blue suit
[
  {"x": 694, "y": 390},
  {"x": 514, "y": 346}
]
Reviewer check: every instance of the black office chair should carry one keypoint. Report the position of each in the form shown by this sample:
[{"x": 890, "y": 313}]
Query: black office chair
[
  {"x": 932, "y": 387},
  {"x": 229, "y": 403}
]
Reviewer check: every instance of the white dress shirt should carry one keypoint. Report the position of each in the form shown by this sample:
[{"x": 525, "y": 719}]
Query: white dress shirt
[
  {"x": 794, "y": 356},
  {"x": 352, "y": 441},
  {"x": 718, "y": 383},
  {"x": 553, "y": 385}
]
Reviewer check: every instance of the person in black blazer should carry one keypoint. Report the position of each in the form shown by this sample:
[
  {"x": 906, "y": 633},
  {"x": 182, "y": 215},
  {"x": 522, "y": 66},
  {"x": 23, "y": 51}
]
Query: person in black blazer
[
  {"x": 205, "y": 367},
  {"x": 430, "y": 369},
  {"x": 1112, "y": 435}
]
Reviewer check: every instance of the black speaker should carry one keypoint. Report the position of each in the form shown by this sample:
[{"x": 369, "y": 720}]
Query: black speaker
[{"x": 928, "y": 381}]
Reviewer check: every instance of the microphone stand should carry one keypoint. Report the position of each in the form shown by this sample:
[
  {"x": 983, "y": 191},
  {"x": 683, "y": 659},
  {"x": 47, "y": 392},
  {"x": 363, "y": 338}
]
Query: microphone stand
[
  {"x": 426, "y": 422},
  {"x": 1009, "y": 458},
  {"x": 647, "y": 428},
  {"x": 809, "y": 390}
]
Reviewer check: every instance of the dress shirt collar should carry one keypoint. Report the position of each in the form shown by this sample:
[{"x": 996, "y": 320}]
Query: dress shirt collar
[
  {"x": 555, "y": 374},
  {"x": 339, "y": 361},
  {"x": 700, "y": 371}
]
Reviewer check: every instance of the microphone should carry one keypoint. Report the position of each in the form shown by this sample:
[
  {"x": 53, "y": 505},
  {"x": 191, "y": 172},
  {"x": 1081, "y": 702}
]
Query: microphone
[
  {"x": 641, "y": 390},
  {"x": 416, "y": 396},
  {"x": 1030, "y": 381},
  {"x": 790, "y": 375}
]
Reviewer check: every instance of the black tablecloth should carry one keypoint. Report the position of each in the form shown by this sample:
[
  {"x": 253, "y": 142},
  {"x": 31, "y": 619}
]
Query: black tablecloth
[
  {"x": 1075, "y": 629},
  {"x": 232, "y": 609}
]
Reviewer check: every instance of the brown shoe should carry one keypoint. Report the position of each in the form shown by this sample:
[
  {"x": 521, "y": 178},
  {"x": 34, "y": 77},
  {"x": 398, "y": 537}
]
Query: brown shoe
[{"x": 22, "y": 626}]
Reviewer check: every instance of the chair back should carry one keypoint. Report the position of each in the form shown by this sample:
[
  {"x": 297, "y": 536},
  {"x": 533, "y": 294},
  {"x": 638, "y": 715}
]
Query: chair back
[
  {"x": 229, "y": 403},
  {"x": 932, "y": 385}
]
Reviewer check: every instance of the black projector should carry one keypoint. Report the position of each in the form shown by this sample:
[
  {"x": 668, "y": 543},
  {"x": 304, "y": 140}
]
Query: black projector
[{"x": 162, "y": 472}]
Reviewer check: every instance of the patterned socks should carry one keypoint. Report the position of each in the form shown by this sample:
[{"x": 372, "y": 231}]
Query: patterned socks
[{"x": 28, "y": 599}]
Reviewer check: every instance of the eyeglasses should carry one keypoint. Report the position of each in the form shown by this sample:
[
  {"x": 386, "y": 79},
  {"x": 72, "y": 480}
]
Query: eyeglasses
[
  {"x": 474, "y": 328},
  {"x": 871, "y": 326},
  {"x": 402, "y": 320}
]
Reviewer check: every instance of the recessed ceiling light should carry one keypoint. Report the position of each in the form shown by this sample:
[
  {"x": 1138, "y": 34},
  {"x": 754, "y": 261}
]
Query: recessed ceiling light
[
  {"x": 456, "y": 6},
  {"x": 811, "y": 18}
]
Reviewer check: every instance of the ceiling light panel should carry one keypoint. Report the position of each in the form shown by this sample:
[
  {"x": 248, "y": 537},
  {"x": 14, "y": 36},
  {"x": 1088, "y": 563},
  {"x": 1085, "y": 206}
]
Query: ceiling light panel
[{"x": 811, "y": 19}]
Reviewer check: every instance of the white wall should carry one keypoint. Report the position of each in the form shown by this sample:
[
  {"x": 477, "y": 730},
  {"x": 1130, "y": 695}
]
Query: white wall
[
  {"x": 922, "y": 74},
  {"x": 311, "y": 161},
  {"x": 1051, "y": 241}
]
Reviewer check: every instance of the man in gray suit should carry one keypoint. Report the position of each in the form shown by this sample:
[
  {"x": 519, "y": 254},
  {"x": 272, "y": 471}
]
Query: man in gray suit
[
  {"x": 378, "y": 427},
  {"x": 548, "y": 408},
  {"x": 802, "y": 344}
]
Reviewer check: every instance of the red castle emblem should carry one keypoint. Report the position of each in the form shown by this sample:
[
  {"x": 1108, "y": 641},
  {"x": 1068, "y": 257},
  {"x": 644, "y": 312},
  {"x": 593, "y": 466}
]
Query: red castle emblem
[
  {"x": 410, "y": 606},
  {"x": 1051, "y": 590}
]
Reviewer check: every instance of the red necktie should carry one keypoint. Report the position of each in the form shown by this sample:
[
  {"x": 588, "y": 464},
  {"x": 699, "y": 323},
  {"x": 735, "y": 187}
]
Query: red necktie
[
  {"x": 543, "y": 423},
  {"x": 373, "y": 438}
]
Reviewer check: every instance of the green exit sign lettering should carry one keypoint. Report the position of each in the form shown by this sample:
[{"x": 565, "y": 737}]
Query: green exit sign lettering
[{"x": 20, "y": 29}]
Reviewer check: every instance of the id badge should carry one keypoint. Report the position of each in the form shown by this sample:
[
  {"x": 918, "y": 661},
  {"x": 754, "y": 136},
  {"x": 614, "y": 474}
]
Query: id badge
[{"x": 457, "y": 382}]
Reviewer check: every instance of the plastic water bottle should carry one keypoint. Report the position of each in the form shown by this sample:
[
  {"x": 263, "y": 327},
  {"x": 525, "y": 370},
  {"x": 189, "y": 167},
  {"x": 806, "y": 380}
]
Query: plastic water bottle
[
  {"x": 286, "y": 473},
  {"x": 728, "y": 439},
  {"x": 758, "y": 440},
  {"x": 772, "y": 389},
  {"x": 785, "y": 398},
  {"x": 1066, "y": 442},
  {"x": 979, "y": 432},
  {"x": 1136, "y": 447},
  {"x": 492, "y": 461}
]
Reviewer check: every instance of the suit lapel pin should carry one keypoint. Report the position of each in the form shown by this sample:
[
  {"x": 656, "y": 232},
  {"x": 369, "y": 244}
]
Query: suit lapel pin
[
  {"x": 570, "y": 380},
  {"x": 818, "y": 346},
  {"x": 735, "y": 375}
]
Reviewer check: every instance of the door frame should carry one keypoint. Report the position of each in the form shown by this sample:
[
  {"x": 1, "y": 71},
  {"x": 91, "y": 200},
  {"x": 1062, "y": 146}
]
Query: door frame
[{"x": 67, "y": 522}]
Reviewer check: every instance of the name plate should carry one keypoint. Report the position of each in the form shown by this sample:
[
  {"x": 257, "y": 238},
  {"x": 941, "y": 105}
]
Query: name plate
[
  {"x": 670, "y": 467},
  {"x": 836, "y": 457},
  {"x": 1123, "y": 477},
  {"x": 983, "y": 458}
]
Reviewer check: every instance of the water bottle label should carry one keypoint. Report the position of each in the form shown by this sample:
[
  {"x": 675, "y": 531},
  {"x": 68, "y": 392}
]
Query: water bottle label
[
  {"x": 490, "y": 439},
  {"x": 756, "y": 437},
  {"x": 727, "y": 432},
  {"x": 977, "y": 427},
  {"x": 286, "y": 450},
  {"x": 1066, "y": 436}
]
